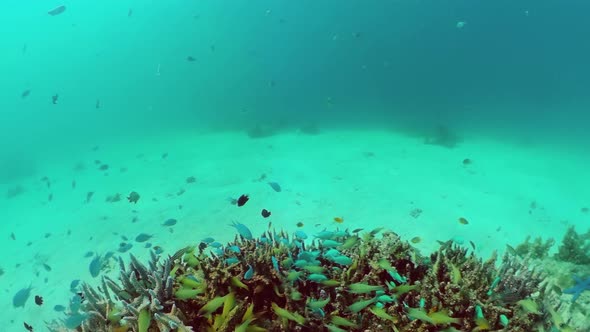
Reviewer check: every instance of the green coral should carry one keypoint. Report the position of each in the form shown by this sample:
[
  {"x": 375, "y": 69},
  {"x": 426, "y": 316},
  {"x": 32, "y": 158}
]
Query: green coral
[
  {"x": 536, "y": 249},
  {"x": 575, "y": 248},
  {"x": 339, "y": 281}
]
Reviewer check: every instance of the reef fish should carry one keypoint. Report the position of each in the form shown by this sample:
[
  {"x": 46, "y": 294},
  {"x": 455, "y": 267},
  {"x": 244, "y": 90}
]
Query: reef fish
[
  {"x": 95, "y": 266},
  {"x": 242, "y": 200},
  {"x": 275, "y": 186},
  {"x": 133, "y": 197},
  {"x": 21, "y": 297},
  {"x": 169, "y": 222},
  {"x": 57, "y": 10},
  {"x": 242, "y": 230},
  {"x": 143, "y": 237},
  {"x": 250, "y": 273}
]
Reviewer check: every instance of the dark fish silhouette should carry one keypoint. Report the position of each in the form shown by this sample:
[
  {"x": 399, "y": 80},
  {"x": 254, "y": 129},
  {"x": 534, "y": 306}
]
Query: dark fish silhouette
[
  {"x": 130, "y": 12},
  {"x": 169, "y": 222},
  {"x": 21, "y": 297},
  {"x": 133, "y": 197},
  {"x": 275, "y": 186},
  {"x": 57, "y": 10},
  {"x": 265, "y": 213},
  {"x": 25, "y": 93},
  {"x": 143, "y": 237},
  {"x": 190, "y": 59},
  {"x": 54, "y": 99},
  {"x": 38, "y": 300},
  {"x": 28, "y": 327},
  {"x": 242, "y": 200}
]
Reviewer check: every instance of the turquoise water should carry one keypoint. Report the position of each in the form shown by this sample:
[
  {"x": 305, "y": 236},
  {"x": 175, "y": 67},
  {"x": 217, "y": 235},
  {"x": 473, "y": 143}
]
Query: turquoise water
[{"x": 360, "y": 110}]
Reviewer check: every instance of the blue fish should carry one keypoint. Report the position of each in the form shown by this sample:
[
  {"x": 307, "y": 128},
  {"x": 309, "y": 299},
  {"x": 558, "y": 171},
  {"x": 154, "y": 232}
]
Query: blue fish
[
  {"x": 208, "y": 240},
  {"x": 332, "y": 253},
  {"x": 275, "y": 186},
  {"x": 231, "y": 260},
  {"x": 74, "y": 285},
  {"x": 275, "y": 263},
  {"x": 396, "y": 276},
  {"x": 242, "y": 230},
  {"x": 331, "y": 243},
  {"x": 250, "y": 273},
  {"x": 59, "y": 308},
  {"x": 308, "y": 255},
  {"x": 124, "y": 247},
  {"x": 385, "y": 298},
  {"x": 300, "y": 235},
  {"x": 342, "y": 260},
  {"x": 95, "y": 266},
  {"x": 316, "y": 277},
  {"x": 235, "y": 249},
  {"x": 21, "y": 297},
  {"x": 325, "y": 235},
  {"x": 216, "y": 244},
  {"x": 74, "y": 321}
]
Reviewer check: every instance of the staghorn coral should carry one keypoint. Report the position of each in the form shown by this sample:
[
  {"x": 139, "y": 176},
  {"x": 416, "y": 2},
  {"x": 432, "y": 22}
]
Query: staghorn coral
[
  {"x": 536, "y": 249},
  {"x": 575, "y": 247},
  {"x": 338, "y": 281},
  {"x": 118, "y": 307}
]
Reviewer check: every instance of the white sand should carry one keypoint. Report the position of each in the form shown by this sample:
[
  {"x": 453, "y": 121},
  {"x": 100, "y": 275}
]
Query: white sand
[{"x": 322, "y": 177}]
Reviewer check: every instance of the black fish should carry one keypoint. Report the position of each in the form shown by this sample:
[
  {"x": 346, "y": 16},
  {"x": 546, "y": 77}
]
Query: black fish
[
  {"x": 38, "y": 300},
  {"x": 25, "y": 93},
  {"x": 57, "y": 10},
  {"x": 97, "y": 105},
  {"x": 265, "y": 213},
  {"x": 242, "y": 200},
  {"x": 190, "y": 59},
  {"x": 28, "y": 327},
  {"x": 133, "y": 197},
  {"x": 54, "y": 98}
]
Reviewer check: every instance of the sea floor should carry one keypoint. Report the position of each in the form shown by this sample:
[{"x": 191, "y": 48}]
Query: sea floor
[{"x": 369, "y": 178}]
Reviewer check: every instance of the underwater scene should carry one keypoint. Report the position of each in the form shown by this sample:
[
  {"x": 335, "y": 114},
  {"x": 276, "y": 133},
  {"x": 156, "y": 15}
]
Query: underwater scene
[{"x": 309, "y": 165}]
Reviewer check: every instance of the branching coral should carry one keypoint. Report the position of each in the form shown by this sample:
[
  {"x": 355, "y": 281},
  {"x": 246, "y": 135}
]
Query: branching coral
[
  {"x": 144, "y": 292},
  {"x": 338, "y": 281},
  {"x": 536, "y": 249},
  {"x": 575, "y": 247}
]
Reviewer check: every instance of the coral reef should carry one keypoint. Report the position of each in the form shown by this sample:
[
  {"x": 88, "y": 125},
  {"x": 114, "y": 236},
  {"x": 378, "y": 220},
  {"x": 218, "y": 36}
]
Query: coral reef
[
  {"x": 536, "y": 249},
  {"x": 144, "y": 297},
  {"x": 339, "y": 281},
  {"x": 575, "y": 247}
]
